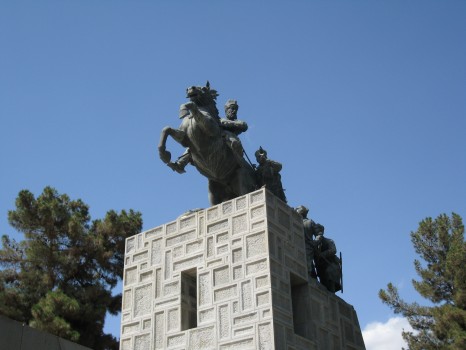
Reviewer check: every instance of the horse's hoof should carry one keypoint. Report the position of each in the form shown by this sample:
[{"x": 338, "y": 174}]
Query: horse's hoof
[
  {"x": 176, "y": 167},
  {"x": 165, "y": 156}
]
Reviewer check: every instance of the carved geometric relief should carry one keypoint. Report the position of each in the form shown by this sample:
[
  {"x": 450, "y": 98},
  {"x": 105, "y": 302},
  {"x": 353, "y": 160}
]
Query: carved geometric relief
[
  {"x": 142, "y": 342},
  {"x": 142, "y": 300},
  {"x": 240, "y": 224},
  {"x": 256, "y": 244},
  {"x": 202, "y": 338},
  {"x": 130, "y": 276},
  {"x": 219, "y": 278}
]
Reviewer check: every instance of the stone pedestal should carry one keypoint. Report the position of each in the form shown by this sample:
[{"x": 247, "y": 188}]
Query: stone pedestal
[{"x": 232, "y": 276}]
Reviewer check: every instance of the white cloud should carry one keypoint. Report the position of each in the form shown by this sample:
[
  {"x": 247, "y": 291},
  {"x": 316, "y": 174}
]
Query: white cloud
[{"x": 386, "y": 336}]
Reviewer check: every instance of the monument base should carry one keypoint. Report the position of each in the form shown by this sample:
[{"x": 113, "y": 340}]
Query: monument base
[{"x": 232, "y": 276}]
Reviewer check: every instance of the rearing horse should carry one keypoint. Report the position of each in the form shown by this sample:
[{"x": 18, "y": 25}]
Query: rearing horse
[{"x": 201, "y": 133}]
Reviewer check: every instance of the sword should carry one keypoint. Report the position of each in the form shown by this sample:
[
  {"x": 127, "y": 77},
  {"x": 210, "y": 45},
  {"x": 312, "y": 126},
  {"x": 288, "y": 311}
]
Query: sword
[{"x": 249, "y": 160}]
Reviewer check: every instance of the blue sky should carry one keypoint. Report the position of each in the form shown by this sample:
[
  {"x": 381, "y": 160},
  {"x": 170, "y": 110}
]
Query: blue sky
[{"x": 364, "y": 103}]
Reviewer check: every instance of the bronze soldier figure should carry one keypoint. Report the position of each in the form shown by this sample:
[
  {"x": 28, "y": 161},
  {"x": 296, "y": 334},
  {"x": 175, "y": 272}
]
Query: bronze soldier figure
[{"x": 268, "y": 174}]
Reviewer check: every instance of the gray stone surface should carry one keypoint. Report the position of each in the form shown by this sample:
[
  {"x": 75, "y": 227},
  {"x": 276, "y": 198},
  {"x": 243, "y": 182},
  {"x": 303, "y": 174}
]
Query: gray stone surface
[
  {"x": 15, "y": 336},
  {"x": 232, "y": 276}
]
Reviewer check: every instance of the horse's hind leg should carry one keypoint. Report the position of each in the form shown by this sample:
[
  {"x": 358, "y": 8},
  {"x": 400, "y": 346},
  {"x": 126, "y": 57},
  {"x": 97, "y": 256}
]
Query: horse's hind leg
[
  {"x": 217, "y": 193},
  {"x": 243, "y": 182}
]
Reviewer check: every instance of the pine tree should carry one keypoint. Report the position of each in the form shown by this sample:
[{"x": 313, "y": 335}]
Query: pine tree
[
  {"x": 441, "y": 245},
  {"x": 60, "y": 277}
]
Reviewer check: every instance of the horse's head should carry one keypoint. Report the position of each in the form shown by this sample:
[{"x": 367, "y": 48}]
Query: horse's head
[{"x": 203, "y": 96}]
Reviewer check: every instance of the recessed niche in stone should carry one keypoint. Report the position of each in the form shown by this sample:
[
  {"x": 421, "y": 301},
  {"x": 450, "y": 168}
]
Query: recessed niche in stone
[{"x": 188, "y": 299}]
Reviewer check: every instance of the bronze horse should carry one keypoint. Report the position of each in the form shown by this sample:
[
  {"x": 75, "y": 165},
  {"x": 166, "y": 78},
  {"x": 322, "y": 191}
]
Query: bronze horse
[{"x": 201, "y": 133}]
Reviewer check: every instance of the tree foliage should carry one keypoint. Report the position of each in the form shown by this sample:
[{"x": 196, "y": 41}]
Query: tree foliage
[
  {"x": 440, "y": 244},
  {"x": 60, "y": 277}
]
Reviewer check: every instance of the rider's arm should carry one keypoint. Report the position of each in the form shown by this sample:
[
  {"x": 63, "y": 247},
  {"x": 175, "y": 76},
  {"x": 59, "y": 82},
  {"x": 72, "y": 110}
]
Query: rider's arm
[
  {"x": 236, "y": 126},
  {"x": 275, "y": 165},
  {"x": 331, "y": 248}
]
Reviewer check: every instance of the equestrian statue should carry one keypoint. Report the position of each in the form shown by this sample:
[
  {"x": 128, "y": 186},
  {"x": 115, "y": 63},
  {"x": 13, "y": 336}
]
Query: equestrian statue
[{"x": 209, "y": 146}]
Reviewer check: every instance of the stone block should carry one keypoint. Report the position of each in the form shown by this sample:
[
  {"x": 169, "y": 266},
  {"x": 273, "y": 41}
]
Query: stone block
[{"x": 232, "y": 276}]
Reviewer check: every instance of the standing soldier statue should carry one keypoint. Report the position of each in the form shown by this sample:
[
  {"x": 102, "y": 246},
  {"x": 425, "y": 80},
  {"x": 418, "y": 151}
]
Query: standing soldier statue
[
  {"x": 321, "y": 252},
  {"x": 308, "y": 241},
  {"x": 328, "y": 265},
  {"x": 268, "y": 174}
]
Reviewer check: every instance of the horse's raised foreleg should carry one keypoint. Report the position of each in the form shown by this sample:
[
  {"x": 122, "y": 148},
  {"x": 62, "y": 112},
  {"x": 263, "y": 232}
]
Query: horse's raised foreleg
[
  {"x": 177, "y": 135},
  {"x": 181, "y": 162}
]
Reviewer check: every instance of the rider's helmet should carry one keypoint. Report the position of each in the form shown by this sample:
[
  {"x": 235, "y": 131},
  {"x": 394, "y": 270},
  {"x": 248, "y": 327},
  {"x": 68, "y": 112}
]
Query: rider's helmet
[
  {"x": 231, "y": 103},
  {"x": 302, "y": 210},
  {"x": 261, "y": 155}
]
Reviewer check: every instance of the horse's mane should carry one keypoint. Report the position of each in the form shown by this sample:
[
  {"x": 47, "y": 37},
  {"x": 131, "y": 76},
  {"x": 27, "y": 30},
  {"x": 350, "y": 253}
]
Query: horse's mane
[{"x": 208, "y": 99}]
